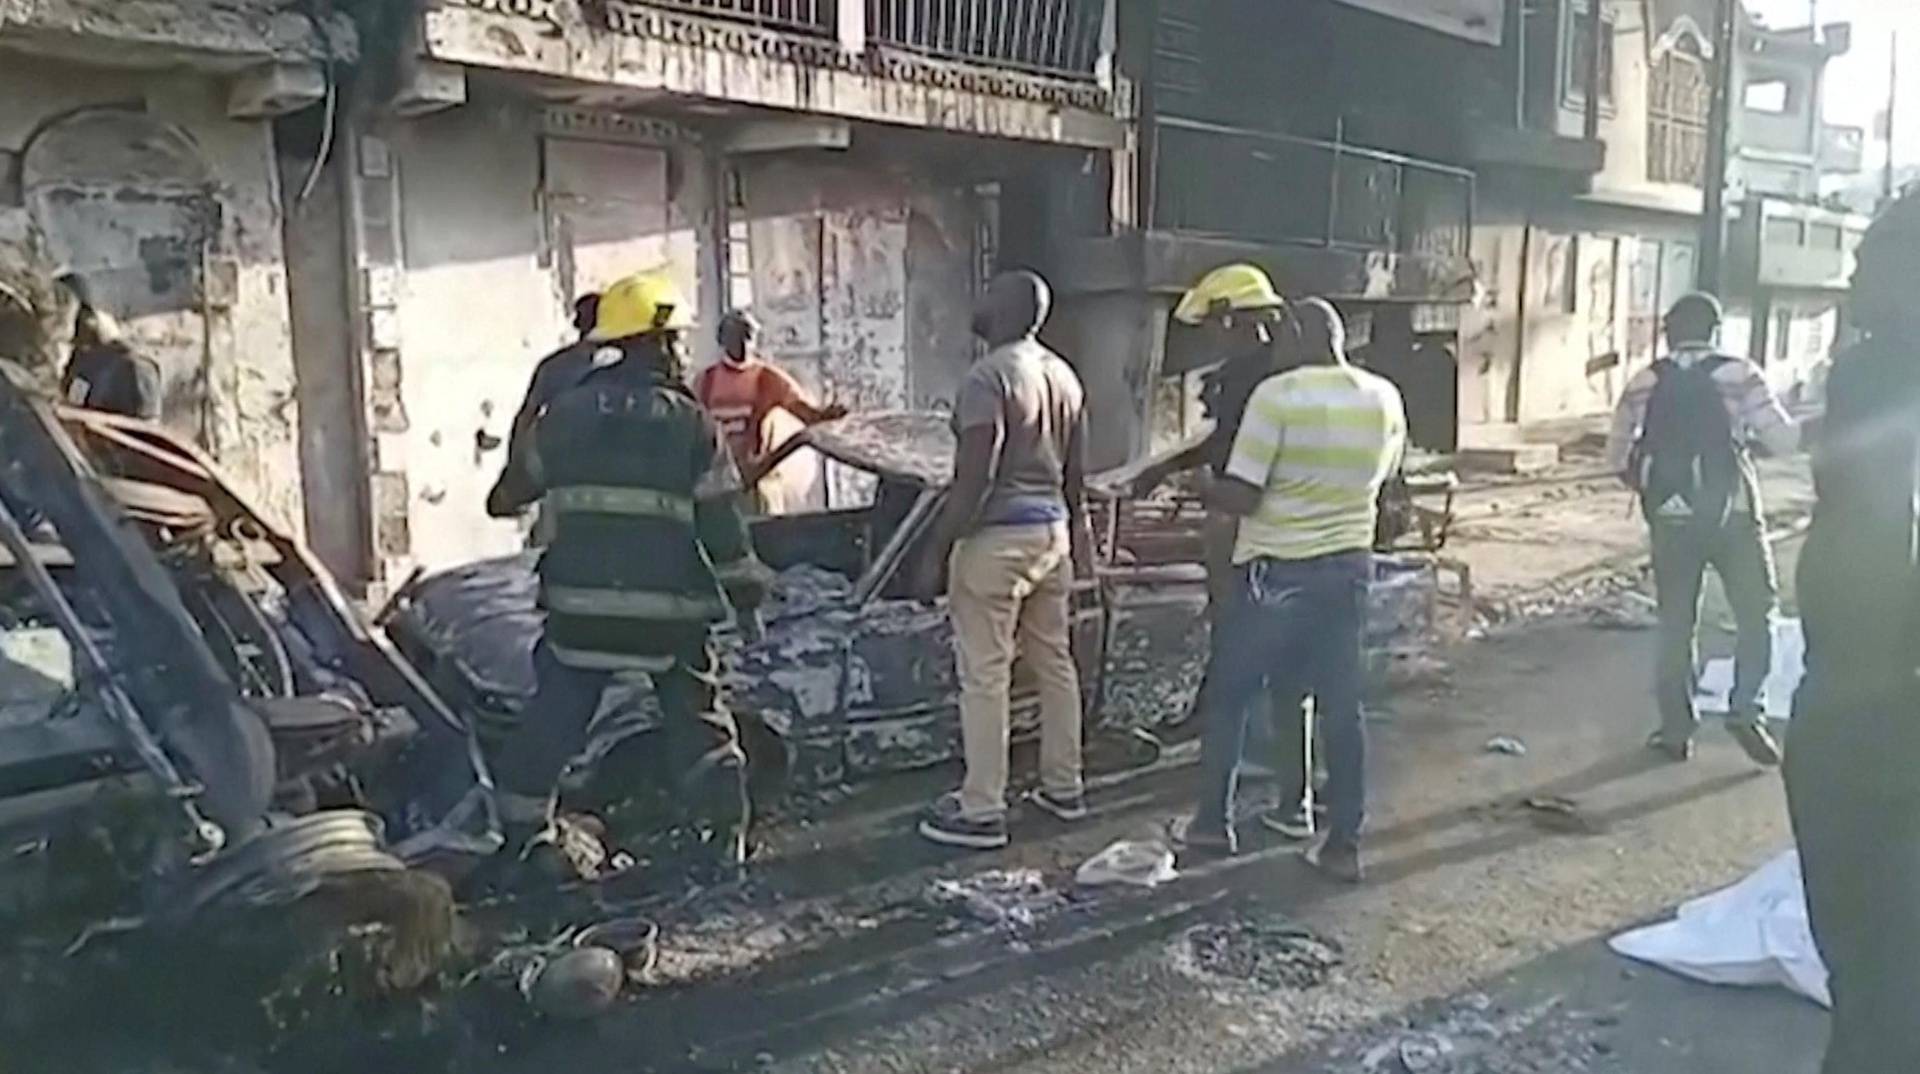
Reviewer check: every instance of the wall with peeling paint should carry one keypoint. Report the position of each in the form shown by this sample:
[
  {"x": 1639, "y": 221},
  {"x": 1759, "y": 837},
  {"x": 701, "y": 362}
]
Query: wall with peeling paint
[
  {"x": 188, "y": 256},
  {"x": 863, "y": 276},
  {"x": 500, "y": 227},
  {"x": 1570, "y": 304}
]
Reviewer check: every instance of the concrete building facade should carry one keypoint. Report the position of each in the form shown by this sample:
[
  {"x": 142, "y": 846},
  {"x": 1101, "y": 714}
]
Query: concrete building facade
[
  {"x": 835, "y": 175},
  {"x": 1278, "y": 134},
  {"x": 137, "y": 142},
  {"x": 1589, "y": 217},
  {"x": 1789, "y": 254},
  {"x": 1585, "y": 235}
]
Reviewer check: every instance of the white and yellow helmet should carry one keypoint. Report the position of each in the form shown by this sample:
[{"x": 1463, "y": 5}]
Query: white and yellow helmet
[{"x": 1227, "y": 288}]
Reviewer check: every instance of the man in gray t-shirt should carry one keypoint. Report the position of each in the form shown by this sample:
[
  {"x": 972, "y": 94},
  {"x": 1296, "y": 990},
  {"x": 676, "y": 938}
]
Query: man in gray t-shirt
[
  {"x": 1011, "y": 537},
  {"x": 1032, "y": 401}
]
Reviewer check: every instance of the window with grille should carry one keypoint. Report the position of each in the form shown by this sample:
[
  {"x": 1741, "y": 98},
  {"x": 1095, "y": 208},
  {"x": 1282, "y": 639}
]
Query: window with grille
[
  {"x": 1580, "y": 56},
  {"x": 1680, "y": 97}
]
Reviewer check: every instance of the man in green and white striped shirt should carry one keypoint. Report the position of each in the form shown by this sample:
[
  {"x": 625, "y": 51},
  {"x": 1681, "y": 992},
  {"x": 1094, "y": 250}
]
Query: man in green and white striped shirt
[
  {"x": 1318, "y": 442},
  {"x": 1315, "y": 446}
]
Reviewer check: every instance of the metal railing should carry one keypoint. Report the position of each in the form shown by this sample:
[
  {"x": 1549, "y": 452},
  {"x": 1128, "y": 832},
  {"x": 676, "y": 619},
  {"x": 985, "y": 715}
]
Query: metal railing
[
  {"x": 1055, "y": 37},
  {"x": 1228, "y": 182},
  {"x": 804, "y": 16}
]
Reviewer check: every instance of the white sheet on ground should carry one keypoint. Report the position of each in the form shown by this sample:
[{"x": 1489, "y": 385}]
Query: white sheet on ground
[
  {"x": 1789, "y": 664},
  {"x": 1753, "y": 933}
]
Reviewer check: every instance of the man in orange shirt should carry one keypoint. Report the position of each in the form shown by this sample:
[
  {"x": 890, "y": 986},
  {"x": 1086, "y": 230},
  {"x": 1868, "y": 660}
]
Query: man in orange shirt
[{"x": 741, "y": 392}]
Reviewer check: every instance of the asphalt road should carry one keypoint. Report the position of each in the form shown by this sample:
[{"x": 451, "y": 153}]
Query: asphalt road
[
  {"x": 1476, "y": 945},
  {"x": 1476, "y": 914}
]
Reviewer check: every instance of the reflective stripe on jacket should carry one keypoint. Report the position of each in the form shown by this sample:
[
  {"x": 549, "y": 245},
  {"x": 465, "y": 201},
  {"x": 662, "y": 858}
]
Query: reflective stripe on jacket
[{"x": 644, "y": 498}]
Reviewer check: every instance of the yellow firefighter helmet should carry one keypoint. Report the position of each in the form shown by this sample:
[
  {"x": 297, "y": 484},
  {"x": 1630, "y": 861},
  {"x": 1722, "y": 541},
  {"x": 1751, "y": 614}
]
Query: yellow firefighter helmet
[
  {"x": 1230, "y": 287},
  {"x": 639, "y": 305}
]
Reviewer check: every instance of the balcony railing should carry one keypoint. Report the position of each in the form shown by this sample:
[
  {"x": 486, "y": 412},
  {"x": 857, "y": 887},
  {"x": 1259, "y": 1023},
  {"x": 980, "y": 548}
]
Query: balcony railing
[
  {"x": 803, "y": 16},
  {"x": 1253, "y": 186},
  {"x": 1055, "y": 37}
]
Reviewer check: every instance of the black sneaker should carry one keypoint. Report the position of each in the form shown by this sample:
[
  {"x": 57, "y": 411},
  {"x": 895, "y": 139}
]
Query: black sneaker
[
  {"x": 1753, "y": 736},
  {"x": 943, "y": 823},
  {"x": 1341, "y": 861},
  {"x": 1677, "y": 750},
  {"x": 1067, "y": 807},
  {"x": 1296, "y": 824}
]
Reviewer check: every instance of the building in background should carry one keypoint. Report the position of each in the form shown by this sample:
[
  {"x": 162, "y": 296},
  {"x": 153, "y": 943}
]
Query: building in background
[
  {"x": 1297, "y": 136},
  {"x": 1591, "y": 158},
  {"x": 1590, "y": 206},
  {"x": 140, "y": 144},
  {"x": 834, "y": 164},
  {"x": 348, "y": 240},
  {"x": 1789, "y": 249}
]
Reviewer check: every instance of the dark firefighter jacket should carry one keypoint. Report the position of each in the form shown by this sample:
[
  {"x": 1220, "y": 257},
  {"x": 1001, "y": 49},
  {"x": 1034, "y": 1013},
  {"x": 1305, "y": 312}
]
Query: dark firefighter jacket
[
  {"x": 648, "y": 537},
  {"x": 556, "y": 373}
]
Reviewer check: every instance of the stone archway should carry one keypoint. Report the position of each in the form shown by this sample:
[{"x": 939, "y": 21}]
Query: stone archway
[{"x": 126, "y": 205}]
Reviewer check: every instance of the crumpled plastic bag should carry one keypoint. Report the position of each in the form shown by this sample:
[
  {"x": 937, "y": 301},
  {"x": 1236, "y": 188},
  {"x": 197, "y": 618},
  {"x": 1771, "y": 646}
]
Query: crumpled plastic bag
[
  {"x": 1754, "y": 933},
  {"x": 1144, "y": 863}
]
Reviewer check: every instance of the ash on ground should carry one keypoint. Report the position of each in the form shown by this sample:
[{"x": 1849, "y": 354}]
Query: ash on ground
[
  {"x": 1015, "y": 900},
  {"x": 1271, "y": 955},
  {"x": 1473, "y": 1036}
]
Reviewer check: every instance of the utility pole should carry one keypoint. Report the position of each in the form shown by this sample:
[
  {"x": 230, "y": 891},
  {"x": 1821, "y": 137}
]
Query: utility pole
[
  {"x": 1713, "y": 220},
  {"x": 1893, "y": 99},
  {"x": 1819, "y": 117}
]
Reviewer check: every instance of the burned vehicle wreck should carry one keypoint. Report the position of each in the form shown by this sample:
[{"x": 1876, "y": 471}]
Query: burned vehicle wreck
[
  {"x": 853, "y": 676},
  {"x": 186, "y": 699}
]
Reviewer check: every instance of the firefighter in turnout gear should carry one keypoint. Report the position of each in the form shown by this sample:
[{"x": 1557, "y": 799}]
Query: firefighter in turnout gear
[{"x": 649, "y": 550}]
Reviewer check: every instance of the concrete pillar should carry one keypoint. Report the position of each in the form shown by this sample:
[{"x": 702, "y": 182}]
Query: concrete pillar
[{"x": 1117, "y": 342}]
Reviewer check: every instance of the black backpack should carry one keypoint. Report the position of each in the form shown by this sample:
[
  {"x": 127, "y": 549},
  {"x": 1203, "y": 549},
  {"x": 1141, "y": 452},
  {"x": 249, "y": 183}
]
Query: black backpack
[{"x": 1686, "y": 464}]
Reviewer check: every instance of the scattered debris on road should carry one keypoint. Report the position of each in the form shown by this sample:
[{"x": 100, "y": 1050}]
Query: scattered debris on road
[
  {"x": 1753, "y": 933},
  {"x": 1014, "y": 900},
  {"x": 579, "y": 984},
  {"x": 1561, "y": 816},
  {"x": 1507, "y": 745},
  {"x": 1472, "y": 1036},
  {"x": 1628, "y": 609},
  {"x": 1139, "y": 863},
  {"x": 1282, "y": 955}
]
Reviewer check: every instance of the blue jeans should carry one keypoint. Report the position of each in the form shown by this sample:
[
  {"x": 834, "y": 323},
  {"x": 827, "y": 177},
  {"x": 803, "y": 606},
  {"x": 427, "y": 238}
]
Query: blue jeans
[
  {"x": 1302, "y": 620},
  {"x": 1681, "y": 556}
]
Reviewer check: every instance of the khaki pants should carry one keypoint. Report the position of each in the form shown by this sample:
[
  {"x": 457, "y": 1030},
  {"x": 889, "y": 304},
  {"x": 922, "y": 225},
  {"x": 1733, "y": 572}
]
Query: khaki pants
[{"x": 1012, "y": 586}]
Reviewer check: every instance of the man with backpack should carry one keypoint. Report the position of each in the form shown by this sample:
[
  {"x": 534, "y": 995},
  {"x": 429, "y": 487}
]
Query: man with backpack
[{"x": 1683, "y": 438}]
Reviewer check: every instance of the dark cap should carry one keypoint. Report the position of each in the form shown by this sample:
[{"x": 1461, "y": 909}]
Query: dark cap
[
  {"x": 1321, "y": 327},
  {"x": 1014, "y": 306},
  {"x": 1697, "y": 307}
]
